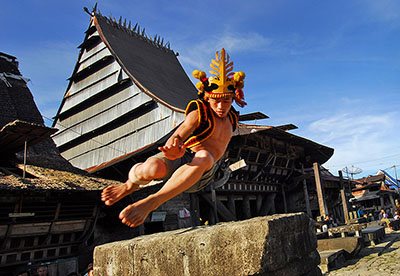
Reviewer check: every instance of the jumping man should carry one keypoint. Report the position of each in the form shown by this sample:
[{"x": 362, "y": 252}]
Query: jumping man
[{"x": 188, "y": 159}]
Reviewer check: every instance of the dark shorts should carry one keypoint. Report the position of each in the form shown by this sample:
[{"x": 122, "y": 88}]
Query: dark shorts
[{"x": 173, "y": 165}]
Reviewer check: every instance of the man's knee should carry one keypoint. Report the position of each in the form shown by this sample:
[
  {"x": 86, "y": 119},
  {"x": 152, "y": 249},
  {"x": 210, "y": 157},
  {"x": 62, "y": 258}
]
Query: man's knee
[
  {"x": 204, "y": 159},
  {"x": 153, "y": 168}
]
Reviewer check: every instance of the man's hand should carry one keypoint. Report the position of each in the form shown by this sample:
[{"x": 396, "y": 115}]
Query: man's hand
[{"x": 173, "y": 151}]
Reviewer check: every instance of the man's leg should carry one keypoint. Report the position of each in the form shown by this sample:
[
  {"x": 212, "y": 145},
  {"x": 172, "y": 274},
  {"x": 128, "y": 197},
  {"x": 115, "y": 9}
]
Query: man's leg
[
  {"x": 181, "y": 180},
  {"x": 140, "y": 174}
]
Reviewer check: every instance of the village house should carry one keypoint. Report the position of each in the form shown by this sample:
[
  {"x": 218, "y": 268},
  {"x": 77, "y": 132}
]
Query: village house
[
  {"x": 374, "y": 193},
  {"x": 50, "y": 211}
]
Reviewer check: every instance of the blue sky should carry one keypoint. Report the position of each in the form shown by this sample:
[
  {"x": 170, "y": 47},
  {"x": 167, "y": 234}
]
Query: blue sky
[{"x": 330, "y": 67}]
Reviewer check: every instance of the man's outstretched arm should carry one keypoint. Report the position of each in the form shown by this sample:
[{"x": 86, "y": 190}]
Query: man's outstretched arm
[{"x": 174, "y": 147}]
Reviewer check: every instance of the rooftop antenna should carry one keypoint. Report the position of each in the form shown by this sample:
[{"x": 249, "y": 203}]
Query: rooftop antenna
[{"x": 352, "y": 171}]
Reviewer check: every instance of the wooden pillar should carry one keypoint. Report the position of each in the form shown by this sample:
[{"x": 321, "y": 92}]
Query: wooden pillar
[
  {"x": 223, "y": 212},
  {"x": 246, "y": 207},
  {"x": 306, "y": 197},
  {"x": 195, "y": 209},
  {"x": 231, "y": 204},
  {"x": 382, "y": 202},
  {"x": 214, "y": 204},
  {"x": 284, "y": 199},
  {"x": 393, "y": 204},
  {"x": 259, "y": 200},
  {"x": 212, "y": 220},
  {"x": 268, "y": 206},
  {"x": 323, "y": 210},
  {"x": 344, "y": 199}
]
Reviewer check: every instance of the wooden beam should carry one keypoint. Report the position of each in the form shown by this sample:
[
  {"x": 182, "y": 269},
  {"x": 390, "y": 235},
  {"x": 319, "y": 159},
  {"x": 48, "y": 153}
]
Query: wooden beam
[
  {"x": 344, "y": 199},
  {"x": 320, "y": 191}
]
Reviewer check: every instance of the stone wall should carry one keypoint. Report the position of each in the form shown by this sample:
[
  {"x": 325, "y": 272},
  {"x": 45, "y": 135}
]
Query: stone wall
[{"x": 273, "y": 245}]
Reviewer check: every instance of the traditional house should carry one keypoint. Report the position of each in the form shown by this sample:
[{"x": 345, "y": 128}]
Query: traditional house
[
  {"x": 127, "y": 94},
  {"x": 376, "y": 192},
  {"x": 49, "y": 208}
]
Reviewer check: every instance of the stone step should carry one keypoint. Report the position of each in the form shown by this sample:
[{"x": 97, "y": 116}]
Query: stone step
[
  {"x": 331, "y": 259},
  {"x": 373, "y": 234},
  {"x": 351, "y": 245}
]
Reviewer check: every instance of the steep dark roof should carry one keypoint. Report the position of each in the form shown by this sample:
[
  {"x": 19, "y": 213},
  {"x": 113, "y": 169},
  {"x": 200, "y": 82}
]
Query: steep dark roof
[
  {"x": 151, "y": 66},
  {"x": 16, "y": 101}
]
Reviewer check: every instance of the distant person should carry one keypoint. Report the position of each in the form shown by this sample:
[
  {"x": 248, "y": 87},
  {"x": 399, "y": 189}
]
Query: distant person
[
  {"x": 188, "y": 160},
  {"x": 89, "y": 270},
  {"x": 360, "y": 212},
  {"x": 383, "y": 217},
  {"x": 42, "y": 271},
  {"x": 331, "y": 221},
  {"x": 383, "y": 214},
  {"x": 396, "y": 215}
]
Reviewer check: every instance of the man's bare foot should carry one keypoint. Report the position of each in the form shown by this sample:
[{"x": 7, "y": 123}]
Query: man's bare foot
[
  {"x": 135, "y": 214},
  {"x": 114, "y": 193}
]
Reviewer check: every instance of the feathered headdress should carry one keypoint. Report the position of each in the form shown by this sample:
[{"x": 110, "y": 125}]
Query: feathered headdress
[{"x": 224, "y": 84}]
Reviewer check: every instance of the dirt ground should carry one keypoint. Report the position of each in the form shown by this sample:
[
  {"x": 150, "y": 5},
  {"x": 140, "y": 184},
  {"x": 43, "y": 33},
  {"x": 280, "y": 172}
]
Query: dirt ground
[{"x": 368, "y": 262}]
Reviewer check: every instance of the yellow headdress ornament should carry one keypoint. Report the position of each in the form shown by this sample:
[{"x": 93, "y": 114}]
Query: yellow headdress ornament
[{"x": 225, "y": 83}]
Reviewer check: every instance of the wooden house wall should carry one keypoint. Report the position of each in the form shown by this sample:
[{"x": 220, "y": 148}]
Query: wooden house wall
[
  {"x": 58, "y": 227},
  {"x": 105, "y": 115}
]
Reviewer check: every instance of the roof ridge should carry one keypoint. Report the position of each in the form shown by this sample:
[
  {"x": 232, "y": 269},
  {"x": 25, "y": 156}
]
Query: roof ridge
[{"x": 136, "y": 31}]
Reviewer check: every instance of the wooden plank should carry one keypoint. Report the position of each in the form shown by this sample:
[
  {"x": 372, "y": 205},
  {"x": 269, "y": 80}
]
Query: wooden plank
[{"x": 30, "y": 229}]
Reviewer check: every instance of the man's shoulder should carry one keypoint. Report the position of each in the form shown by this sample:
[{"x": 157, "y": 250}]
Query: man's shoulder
[{"x": 195, "y": 105}]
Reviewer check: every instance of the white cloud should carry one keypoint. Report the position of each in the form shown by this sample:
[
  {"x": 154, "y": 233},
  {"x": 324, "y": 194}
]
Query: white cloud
[
  {"x": 367, "y": 141},
  {"x": 383, "y": 10}
]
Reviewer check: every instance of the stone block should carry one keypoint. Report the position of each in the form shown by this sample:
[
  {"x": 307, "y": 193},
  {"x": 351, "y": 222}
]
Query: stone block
[
  {"x": 273, "y": 245},
  {"x": 352, "y": 245}
]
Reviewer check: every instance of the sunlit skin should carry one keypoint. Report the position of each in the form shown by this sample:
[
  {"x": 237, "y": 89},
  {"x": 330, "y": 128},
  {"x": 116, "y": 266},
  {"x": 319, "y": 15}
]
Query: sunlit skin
[{"x": 206, "y": 154}]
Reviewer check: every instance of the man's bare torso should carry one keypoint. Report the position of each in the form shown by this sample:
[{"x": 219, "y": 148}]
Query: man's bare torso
[{"x": 218, "y": 141}]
